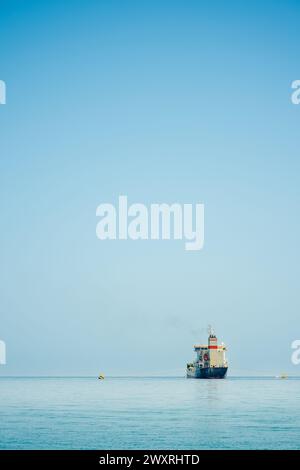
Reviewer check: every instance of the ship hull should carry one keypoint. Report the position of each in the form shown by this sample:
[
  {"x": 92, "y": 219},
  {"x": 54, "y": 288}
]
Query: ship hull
[{"x": 207, "y": 373}]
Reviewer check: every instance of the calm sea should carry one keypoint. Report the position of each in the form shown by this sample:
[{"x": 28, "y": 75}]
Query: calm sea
[{"x": 149, "y": 413}]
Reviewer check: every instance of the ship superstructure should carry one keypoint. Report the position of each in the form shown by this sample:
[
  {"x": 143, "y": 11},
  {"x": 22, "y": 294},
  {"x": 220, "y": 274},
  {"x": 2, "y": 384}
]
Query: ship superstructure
[{"x": 211, "y": 362}]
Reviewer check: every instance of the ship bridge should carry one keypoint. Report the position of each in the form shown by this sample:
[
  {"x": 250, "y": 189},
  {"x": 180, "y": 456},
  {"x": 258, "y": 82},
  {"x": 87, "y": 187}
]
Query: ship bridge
[{"x": 198, "y": 347}]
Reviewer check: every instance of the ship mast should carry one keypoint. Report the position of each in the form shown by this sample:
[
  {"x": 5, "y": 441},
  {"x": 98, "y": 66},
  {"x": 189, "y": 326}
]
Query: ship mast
[{"x": 210, "y": 330}]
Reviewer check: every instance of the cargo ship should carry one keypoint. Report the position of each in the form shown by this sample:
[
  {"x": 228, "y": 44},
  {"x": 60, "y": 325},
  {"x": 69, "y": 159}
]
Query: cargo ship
[{"x": 210, "y": 362}]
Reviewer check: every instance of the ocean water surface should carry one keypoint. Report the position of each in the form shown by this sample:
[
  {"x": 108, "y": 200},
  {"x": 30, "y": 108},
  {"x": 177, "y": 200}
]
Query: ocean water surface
[{"x": 149, "y": 413}]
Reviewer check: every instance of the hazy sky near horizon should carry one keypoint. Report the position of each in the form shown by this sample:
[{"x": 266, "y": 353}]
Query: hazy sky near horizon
[{"x": 182, "y": 101}]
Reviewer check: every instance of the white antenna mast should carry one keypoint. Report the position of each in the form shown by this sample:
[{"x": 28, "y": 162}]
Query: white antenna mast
[{"x": 210, "y": 330}]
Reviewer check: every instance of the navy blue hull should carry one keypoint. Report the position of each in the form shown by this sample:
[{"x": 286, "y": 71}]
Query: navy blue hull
[{"x": 207, "y": 373}]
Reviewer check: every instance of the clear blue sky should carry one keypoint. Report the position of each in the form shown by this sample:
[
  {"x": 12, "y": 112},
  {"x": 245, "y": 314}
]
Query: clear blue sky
[{"x": 164, "y": 101}]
